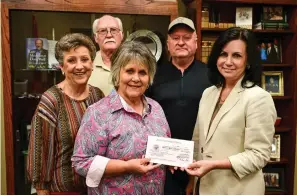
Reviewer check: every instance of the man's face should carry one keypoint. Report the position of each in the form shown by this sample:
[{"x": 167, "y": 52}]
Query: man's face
[
  {"x": 38, "y": 44},
  {"x": 108, "y": 36},
  {"x": 182, "y": 42}
]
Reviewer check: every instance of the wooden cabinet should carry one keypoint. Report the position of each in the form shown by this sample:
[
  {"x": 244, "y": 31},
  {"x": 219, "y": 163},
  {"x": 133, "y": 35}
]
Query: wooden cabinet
[
  {"x": 65, "y": 16},
  {"x": 286, "y": 105}
]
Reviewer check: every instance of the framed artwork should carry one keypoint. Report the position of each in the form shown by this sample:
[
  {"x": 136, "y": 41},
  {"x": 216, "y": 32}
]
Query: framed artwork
[
  {"x": 273, "y": 14},
  {"x": 275, "y": 147},
  {"x": 273, "y": 82},
  {"x": 244, "y": 17},
  {"x": 270, "y": 50},
  {"x": 274, "y": 179}
]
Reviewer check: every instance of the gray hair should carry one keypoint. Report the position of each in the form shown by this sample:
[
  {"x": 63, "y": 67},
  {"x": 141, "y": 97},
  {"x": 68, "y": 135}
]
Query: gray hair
[
  {"x": 95, "y": 23},
  {"x": 132, "y": 51},
  {"x": 73, "y": 40}
]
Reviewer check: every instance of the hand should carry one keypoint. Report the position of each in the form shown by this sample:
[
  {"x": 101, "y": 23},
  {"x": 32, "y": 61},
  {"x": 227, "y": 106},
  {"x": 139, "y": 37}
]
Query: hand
[
  {"x": 140, "y": 166},
  {"x": 200, "y": 168},
  {"x": 42, "y": 192}
]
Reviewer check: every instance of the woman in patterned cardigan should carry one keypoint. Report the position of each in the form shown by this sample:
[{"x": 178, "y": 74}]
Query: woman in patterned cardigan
[
  {"x": 57, "y": 119},
  {"x": 111, "y": 141}
]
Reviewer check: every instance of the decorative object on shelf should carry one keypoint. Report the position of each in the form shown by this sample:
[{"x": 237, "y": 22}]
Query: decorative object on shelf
[
  {"x": 273, "y": 18},
  {"x": 150, "y": 39},
  {"x": 205, "y": 16},
  {"x": 244, "y": 17},
  {"x": 275, "y": 147},
  {"x": 20, "y": 87},
  {"x": 273, "y": 14},
  {"x": 278, "y": 121},
  {"x": 273, "y": 82},
  {"x": 274, "y": 179},
  {"x": 37, "y": 53},
  {"x": 270, "y": 50},
  {"x": 206, "y": 49}
]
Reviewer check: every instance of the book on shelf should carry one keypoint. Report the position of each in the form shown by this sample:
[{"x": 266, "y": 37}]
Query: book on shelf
[
  {"x": 52, "y": 61},
  {"x": 269, "y": 25},
  {"x": 37, "y": 53},
  {"x": 206, "y": 49}
]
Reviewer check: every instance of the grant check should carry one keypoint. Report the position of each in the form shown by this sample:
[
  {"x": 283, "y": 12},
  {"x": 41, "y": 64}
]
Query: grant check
[{"x": 168, "y": 151}]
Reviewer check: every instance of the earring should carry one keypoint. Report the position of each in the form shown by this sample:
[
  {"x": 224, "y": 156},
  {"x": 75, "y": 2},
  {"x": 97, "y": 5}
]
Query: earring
[{"x": 63, "y": 73}]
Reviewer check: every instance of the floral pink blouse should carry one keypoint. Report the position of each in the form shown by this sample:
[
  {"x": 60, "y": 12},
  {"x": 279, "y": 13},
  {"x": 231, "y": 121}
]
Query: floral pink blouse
[{"x": 111, "y": 129}]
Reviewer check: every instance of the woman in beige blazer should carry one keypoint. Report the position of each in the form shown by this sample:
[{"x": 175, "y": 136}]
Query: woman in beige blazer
[{"x": 235, "y": 123}]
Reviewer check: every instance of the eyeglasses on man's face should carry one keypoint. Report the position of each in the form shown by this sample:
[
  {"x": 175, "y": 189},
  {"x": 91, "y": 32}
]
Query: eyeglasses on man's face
[
  {"x": 112, "y": 30},
  {"x": 184, "y": 38}
]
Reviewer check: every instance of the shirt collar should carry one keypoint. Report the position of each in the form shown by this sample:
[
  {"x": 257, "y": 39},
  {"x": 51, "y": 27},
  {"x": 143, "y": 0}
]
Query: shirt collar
[
  {"x": 118, "y": 103},
  {"x": 98, "y": 61}
]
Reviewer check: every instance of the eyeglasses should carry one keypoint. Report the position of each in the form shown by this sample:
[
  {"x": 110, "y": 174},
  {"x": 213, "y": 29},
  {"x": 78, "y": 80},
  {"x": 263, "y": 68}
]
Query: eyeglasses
[
  {"x": 184, "y": 38},
  {"x": 104, "y": 31}
]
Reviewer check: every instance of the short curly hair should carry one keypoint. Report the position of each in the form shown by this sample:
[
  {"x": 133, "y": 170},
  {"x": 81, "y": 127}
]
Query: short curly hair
[
  {"x": 132, "y": 51},
  {"x": 73, "y": 40}
]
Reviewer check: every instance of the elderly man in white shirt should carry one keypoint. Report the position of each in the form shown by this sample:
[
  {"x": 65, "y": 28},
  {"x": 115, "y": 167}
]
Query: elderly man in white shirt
[{"x": 108, "y": 34}]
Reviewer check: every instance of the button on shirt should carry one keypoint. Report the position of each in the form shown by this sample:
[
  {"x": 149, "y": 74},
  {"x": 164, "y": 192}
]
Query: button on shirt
[
  {"x": 101, "y": 75},
  {"x": 111, "y": 129}
]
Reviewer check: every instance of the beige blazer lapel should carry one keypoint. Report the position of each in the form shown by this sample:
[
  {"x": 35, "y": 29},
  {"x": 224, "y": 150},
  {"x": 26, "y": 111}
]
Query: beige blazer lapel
[
  {"x": 212, "y": 101},
  {"x": 229, "y": 103}
]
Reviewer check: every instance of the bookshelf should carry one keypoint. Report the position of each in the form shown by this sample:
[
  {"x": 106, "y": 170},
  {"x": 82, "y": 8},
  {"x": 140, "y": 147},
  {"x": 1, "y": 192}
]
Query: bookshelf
[{"x": 286, "y": 105}]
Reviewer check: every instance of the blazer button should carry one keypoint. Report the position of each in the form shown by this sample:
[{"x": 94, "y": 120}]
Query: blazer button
[{"x": 201, "y": 149}]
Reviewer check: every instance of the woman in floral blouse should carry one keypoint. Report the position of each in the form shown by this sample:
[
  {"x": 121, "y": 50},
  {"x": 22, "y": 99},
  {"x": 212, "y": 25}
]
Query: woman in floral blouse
[{"x": 111, "y": 141}]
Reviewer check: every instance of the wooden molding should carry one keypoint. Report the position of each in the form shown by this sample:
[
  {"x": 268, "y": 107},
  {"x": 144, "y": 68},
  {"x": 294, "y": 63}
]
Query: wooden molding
[
  {"x": 156, "y": 7},
  {"x": 8, "y": 131}
]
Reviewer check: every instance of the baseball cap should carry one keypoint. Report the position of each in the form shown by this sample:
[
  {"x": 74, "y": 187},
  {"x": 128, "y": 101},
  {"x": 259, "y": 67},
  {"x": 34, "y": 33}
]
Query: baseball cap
[{"x": 181, "y": 20}]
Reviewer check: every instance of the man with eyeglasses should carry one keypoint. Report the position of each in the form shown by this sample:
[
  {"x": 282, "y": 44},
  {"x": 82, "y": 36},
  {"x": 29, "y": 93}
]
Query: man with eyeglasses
[
  {"x": 178, "y": 87},
  {"x": 108, "y": 34}
]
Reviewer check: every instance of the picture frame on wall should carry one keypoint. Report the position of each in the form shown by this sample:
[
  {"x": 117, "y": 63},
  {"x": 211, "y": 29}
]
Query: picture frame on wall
[
  {"x": 273, "y": 82},
  {"x": 273, "y": 14},
  {"x": 276, "y": 147},
  {"x": 270, "y": 50},
  {"x": 274, "y": 179}
]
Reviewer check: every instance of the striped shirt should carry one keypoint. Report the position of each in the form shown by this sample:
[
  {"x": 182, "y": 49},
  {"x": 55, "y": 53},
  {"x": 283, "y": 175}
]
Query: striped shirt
[{"x": 54, "y": 127}]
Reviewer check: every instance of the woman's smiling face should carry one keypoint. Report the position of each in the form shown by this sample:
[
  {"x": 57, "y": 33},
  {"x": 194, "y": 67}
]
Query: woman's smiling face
[
  {"x": 232, "y": 60},
  {"x": 134, "y": 80},
  {"x": 77, "y": 65}
]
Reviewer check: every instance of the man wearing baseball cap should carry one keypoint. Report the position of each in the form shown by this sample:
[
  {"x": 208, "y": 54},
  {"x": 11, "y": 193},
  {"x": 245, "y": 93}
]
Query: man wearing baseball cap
[{"x": 178, "y": 87}]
